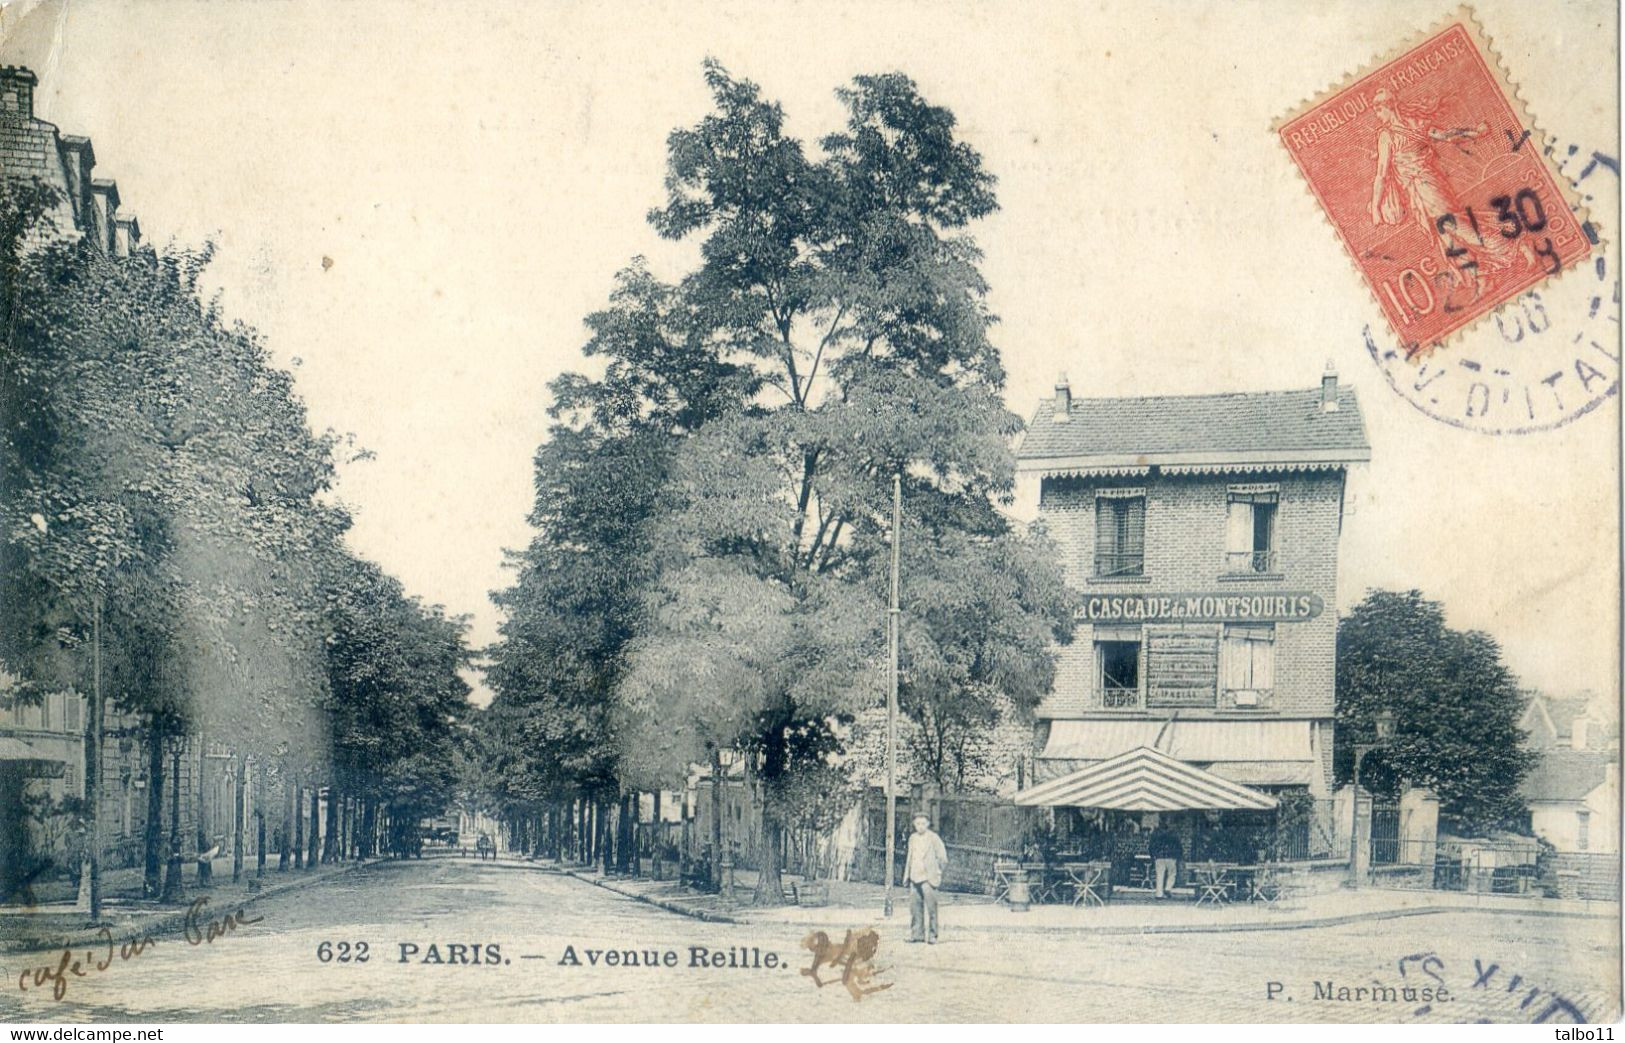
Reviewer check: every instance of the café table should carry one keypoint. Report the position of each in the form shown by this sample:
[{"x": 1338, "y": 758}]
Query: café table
[
  {"x": 1215, "y": 881},
  {"x": 1089, "y": 882},
  {"x": 1043, "y": 879}
]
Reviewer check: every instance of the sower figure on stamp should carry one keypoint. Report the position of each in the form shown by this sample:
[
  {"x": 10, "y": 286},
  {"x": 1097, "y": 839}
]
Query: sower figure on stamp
[
  {"x": 927, "y": 858},
  {"x": 1165, "y": 853},
  {"x": 1411, "y": 185}
]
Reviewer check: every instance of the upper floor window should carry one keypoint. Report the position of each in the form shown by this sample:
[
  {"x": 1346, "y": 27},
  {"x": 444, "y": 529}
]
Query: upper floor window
[
  {"x": 1582, "y": 833},
  {"x": 1120, "y": 532},
  {"x": 1250, "y": 529},
  {"x": 1248, "y": 662}
]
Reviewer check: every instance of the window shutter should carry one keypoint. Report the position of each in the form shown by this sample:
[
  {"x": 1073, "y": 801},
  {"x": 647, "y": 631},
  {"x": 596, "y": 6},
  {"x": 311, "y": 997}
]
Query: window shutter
[
  {"x": 1133, "y": 525},
  {"x": 1105, "y": 527},
  {"x": 1237, "y": 661},
  {"x": 1263, "y": 664},
  {"x": 1238, "y": 529}
]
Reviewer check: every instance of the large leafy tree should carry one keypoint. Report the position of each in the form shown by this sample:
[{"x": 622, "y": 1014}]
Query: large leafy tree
[
  {"x": 158, "y": 471},
  {"x": 1456, "y": 708},
  {"x": 156, "y": 465},
  {"x": 397, "y": 693},
  {"x": 577, "y": 598},
  {"x": 983, "y": 611},
  {"x": 846, "y": 287}
]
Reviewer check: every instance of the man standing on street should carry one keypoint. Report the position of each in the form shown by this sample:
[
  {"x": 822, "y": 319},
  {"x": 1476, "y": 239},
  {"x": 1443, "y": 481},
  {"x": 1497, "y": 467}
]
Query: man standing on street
[
  {"x": 1165, "y": 854},
  {"x": 927, "y": 858}
]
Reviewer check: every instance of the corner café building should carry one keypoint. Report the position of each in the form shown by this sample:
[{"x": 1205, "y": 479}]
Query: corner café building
[{"x": 1199, "y": 690}]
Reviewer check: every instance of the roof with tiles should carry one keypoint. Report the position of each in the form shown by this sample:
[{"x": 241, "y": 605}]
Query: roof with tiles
[
  {"x": 1281, "y": 424},
  {"x": 1566, "y": 775}
]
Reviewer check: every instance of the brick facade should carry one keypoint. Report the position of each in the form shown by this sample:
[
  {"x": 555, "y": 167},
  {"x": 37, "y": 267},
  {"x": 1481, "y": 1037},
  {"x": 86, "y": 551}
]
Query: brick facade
[
  {"x": 1184, "y": 551},
  {"x": 1209, "y": 624}
]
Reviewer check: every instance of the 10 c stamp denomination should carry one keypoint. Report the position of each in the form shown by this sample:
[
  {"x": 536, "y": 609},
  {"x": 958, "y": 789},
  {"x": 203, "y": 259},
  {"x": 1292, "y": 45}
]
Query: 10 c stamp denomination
[{"x": 1438, "y": 185}]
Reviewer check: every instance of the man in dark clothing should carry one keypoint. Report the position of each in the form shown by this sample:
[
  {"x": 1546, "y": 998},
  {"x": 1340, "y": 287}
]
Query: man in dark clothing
[{"x": 1165, "y": 854}]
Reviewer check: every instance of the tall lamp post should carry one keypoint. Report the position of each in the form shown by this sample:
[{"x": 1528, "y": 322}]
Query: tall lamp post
[
  {"x": 1359, "y": 855},
  {"x": 892, "y": 613}
]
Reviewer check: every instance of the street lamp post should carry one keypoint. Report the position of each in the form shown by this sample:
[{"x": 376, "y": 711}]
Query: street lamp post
[
  {"x": 892, "y": 614},
  {"x": 1359, "y": 855}
]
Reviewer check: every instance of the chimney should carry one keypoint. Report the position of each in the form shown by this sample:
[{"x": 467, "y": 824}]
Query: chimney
[
  {"x": 106, "y": 210},
  {"x": 78, "y": 159},
  {"x": 17, "y": 92},
  {"x": 127, "y": 233},
  {"x": 1328, "y": 389},
  {"x": 1062, "y": 412}
]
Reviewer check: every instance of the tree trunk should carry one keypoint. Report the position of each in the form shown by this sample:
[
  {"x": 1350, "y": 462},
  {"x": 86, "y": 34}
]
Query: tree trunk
[
  {"x": 298, "y": 827},
  {"x": 174, "y": 889},
  {"x": 605, "y": 847},
  {"x": 627, "y": 838},
  {"x": 259, "y": 846},
  {"x": 289, "y": 797},
  {"x": 330, "y": 842},
  {"x": 769, "y": 878},
  {"x": 239, "y": 792},
  {"x": 313, "y": 837},
  {"x": 205, "y": 870},
  {"x": 716, "y": 820},
  {"x": 369, "y": 827},
  {"x": 657, "y": 836},
  {"x": 153, "y": 838}
]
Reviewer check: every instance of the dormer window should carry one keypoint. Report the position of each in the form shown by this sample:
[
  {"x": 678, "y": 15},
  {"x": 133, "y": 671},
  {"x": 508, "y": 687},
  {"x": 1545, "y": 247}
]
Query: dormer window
[
  {"x": 1119, "y": 533},
  {"x": 1250, "y": 529}
]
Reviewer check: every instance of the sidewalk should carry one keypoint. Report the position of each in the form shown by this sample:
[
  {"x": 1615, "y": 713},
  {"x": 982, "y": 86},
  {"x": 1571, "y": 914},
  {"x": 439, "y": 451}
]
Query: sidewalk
[
  {"x": 53, "y": 924},
  {"x": 854, "y": 904}
]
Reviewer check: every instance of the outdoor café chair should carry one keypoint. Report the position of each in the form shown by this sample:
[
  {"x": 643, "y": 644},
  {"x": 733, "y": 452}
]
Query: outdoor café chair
[
  {"x": 1266, "y": 885},
  {"x": 1212, "y": 884}
]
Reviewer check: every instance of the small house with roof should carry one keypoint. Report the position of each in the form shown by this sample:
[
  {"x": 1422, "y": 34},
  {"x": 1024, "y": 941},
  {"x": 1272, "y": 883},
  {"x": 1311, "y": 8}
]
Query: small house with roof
[
  {"x": 1576, "y": 722},
  {"x": 1573, "y": 798},
  {"x": 1203, "y": 534}
]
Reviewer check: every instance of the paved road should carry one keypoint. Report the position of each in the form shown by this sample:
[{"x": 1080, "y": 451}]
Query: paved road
[{"x": 526, "y": 919}]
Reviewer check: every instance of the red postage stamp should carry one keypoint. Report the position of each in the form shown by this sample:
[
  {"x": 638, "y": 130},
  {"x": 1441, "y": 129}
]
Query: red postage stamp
[{"x": 1438, "y": 184}]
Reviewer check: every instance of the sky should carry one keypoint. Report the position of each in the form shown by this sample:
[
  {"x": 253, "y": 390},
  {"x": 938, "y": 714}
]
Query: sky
[{"x": 418, "y": 203}]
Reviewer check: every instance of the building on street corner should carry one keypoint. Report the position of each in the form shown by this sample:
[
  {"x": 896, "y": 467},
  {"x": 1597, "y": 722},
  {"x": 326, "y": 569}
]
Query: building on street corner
[{"x": 1202, "y": 532}]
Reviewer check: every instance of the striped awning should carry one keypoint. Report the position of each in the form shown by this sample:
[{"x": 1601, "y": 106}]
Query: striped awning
[{"x": 1143, "y": 779}]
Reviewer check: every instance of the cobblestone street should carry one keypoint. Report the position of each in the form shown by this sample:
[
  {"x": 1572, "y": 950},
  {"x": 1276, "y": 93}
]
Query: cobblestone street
[{"x": 524, "y": 919}]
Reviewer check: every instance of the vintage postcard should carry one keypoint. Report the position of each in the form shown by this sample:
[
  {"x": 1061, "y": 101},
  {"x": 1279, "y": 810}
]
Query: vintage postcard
[{"x": 897, "y": 512}]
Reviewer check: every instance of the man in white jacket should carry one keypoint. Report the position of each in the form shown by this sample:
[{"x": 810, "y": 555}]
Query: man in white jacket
[{"x": 927, "y": 858}]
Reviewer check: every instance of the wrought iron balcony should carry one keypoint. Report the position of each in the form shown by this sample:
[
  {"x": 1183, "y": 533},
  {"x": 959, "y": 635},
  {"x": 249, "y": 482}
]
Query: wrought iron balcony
[
  {"x": 1112, "y": 698},
  {"x": 1119, "y": 564},
  {"x": 1250, "y": 561}
]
